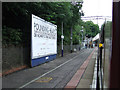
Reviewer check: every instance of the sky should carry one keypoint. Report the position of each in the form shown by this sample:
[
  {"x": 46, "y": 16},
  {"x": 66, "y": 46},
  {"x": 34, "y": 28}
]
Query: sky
[{"x": 97, "y": 8}]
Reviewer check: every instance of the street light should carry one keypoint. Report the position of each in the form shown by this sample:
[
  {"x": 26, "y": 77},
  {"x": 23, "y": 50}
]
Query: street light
[
  {"x": 71, "y": 40},
  {"x": 82, "y": 34},
  {"x": 62, "y": 37}
]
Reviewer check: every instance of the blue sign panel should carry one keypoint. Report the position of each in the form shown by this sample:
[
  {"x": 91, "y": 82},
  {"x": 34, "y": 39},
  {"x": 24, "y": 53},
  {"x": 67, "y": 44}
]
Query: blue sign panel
[{"x": 44, "y": 41}]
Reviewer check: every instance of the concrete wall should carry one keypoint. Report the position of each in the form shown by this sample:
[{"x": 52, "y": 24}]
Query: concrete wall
[
  {"x": 16, "y": 56},
  {"x": 13, "y": 57},
  {"x": 67, "y": 49}
]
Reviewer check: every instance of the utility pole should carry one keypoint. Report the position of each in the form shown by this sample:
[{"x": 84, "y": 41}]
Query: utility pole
[
  {"x": 62, "y": 37},
  {"x": 79, "y": 42},
  {"x": 82, "y": 35},
  {"x": 82, "y": 38},
  {"x": 71, "y": 39}
]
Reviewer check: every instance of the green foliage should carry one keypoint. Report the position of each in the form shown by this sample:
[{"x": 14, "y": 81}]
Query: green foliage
[
  {"x": 77, "y": 34},
  {"x": 91, "y": 29},
  {"x": 11, "y": 36},
  {"x": 18, "y": 15}
]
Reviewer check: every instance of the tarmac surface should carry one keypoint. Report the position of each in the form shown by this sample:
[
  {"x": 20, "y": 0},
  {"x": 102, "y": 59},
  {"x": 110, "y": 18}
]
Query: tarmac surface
[{"x": 53, "y": 74}]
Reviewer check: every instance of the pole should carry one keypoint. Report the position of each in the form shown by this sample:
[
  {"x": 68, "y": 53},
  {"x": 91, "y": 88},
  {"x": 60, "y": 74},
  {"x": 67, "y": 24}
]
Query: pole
[
  {"x": 62, "y": 40},
  {"x": 79, "y": 41},
  {"x": 71, "y": 39},
  {"x": 82, "y": 36}
]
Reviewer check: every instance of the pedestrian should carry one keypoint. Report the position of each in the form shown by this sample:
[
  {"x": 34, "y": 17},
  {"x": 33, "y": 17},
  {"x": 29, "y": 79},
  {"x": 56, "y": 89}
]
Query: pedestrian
[
  {"x": 86, "y": 46},
  {"x": 89, "y": 45}
]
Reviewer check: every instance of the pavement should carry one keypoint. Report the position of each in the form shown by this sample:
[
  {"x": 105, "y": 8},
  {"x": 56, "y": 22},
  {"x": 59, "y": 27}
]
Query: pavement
[
  {"x": 84, "y": 77},
  {"x": 87, "y": 79},
  {"x": 71, "y": 71}
]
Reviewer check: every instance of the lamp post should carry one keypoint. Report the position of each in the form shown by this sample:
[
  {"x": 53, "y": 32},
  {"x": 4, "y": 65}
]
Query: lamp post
[
  {"x": 71, "y": 40},
  {"x": 82, "y": 34},
  {"x": 79, "y": 42},
  {"x": 62, "y": 37}
]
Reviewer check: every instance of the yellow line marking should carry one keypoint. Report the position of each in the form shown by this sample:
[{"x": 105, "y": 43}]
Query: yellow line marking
[{"x": 44, "y": 79}]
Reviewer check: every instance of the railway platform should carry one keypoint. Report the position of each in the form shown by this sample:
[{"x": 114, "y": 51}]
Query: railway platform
[
  {"x": 85, "y": 77},
  {"x": 75, "y": 71}
]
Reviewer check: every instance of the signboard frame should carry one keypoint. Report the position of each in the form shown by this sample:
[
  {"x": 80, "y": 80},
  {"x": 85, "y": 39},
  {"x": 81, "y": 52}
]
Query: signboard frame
[{"x": 49, "y": 38}]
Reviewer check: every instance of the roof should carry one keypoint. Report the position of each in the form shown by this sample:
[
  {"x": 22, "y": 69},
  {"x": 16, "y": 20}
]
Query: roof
[{"x": 96, "y": 37}]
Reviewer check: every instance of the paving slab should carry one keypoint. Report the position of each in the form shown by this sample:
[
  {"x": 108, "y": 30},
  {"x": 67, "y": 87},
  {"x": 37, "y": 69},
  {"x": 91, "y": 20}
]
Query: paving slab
[
  {"x": 87, "y": 78},
  {"x": 83, "y": 77}
]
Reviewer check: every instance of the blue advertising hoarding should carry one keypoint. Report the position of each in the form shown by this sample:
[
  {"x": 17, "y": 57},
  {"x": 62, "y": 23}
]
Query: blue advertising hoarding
[{"x": 44, "y": 41}]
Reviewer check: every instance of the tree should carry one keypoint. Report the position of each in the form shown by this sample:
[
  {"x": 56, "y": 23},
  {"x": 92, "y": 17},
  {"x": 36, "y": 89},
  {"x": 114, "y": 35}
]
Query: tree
[
  {"x": 18, "y": 17},
  {"x": 91, "y": 29}
]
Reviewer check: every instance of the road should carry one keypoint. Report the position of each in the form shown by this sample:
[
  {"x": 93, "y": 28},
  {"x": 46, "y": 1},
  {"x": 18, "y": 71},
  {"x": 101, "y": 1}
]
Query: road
[{"x": 53, "y": 74}]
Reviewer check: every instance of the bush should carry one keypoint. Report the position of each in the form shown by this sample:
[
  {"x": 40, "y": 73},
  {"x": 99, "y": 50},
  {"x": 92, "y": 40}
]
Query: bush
[{"x": 11, "y": 36}]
